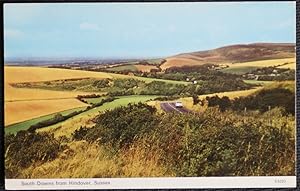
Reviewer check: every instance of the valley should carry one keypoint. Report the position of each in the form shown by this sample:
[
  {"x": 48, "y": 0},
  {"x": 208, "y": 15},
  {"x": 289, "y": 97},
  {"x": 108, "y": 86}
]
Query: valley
[{"x": 148, "y": 111}]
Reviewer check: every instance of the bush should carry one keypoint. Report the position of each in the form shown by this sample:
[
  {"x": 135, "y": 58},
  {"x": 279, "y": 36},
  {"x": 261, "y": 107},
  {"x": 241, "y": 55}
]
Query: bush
[
  {"x": 224, "y": 144},
  {"x": 266, "y": 99},
  {"x": 26, "y": 148},
  {"x": 120, "y": 126},
  {"x": 101, "y": 83}
]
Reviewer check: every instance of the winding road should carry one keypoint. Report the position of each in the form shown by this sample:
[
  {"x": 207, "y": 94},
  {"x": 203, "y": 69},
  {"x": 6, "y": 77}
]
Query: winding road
[{"x": 170, "y": 107}]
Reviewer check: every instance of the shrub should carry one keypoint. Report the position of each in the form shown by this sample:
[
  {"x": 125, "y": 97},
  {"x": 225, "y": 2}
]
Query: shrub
[
  {"x": 26, "y": 148},
  {"x": 120, "y": 126}
]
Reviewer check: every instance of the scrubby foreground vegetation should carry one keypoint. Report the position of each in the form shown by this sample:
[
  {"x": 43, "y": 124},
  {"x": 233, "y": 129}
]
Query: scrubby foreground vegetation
[{"x": 137, "y": 141}]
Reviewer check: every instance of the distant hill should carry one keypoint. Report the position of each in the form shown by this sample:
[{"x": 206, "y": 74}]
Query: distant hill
[{"x": 233, "y": 54}]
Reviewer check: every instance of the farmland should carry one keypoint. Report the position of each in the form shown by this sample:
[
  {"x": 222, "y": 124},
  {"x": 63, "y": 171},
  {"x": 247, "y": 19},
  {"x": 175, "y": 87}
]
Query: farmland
[
  {"x": 115, "y": 118},
  {"x": 123, "y": 67},
  {"x": 14, "y": 128},
  {"x": 244, "y": 67},
  {"x": 45, "y": 100},
  {"x": 67, "y": 127},
  {"x": 36, "y": 108}
]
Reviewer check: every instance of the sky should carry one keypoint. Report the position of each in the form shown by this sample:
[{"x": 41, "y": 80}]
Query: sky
[{"x": 141, "y": 30}]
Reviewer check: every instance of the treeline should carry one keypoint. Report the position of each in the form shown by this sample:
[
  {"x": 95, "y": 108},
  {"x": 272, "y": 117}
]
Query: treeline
[
  {"x": 131, "y": 86},
  {"x": 263, "y": 101},
  {"x": 82, "y": 97},
  {"x": 205, "y": 72},
  {"x": 271, "y": 74}
]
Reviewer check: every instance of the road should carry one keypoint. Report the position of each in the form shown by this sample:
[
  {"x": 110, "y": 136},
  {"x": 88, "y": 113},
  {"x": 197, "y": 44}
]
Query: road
[{"x": 170, "y": 107}]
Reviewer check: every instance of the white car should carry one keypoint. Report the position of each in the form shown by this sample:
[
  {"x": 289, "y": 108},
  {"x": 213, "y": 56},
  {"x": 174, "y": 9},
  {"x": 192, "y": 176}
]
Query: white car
[{"x": 178, "y": 104}]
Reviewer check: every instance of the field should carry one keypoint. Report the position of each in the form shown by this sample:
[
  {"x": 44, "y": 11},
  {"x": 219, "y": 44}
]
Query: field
[
  {"x": 133, "y": 67},
  {"x": 145, "y": 68},
  {"x": 40, "y": 102},
  {"x": 67, "y": 127},
  {"x": 178, "y": 62},
  {"x": 19, "y": 111},
  {"x": 25, "y": 94},
  {"x": 33, "y": 74},
  {"x": 291, "y": 65},
  {"x": 257, "y": 82},
  {"x": 123, "y": 67},
  {"x": 244, "y": 67},
  {"x": 26, "y": 124}
]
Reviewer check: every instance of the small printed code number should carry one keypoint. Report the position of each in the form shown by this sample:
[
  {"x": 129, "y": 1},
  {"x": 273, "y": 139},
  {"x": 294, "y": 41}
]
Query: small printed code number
[{"x": 280, "y": 181}]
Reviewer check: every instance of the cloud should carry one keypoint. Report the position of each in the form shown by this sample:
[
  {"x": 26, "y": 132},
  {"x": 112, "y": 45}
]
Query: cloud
[
  {"x": 13, "y": 33},
  {"x": 89, "y": 26}
]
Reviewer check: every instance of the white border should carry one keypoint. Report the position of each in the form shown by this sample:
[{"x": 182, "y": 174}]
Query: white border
[{"x": 151, "y": 183}]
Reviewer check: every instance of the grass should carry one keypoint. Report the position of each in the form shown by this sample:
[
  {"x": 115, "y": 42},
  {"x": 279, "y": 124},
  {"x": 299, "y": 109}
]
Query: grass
[
  {"x": 145, "y": 68},
  {"x": 148, "y": 80},
  {"x": 239, "y": 69},
  {"x": 85, "y": 119},
  {"x": 122, "y": 68},
  {"x": 258, "y": 82},
  {"x": 154, "y": 61},
  {"x": 290, "y": 85},
  {"x": 14, "y": 128},
  {"x": 94, "y": 161},
  {"x": 244, "y": 67}
]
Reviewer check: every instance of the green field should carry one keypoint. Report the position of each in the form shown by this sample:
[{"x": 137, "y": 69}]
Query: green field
[
  {"x": 148, "y": 80},
  {"x": 14, "y": 128},
  {"x": 154, "y": 61},
  {"x": 239, "y": 70},
  {"x": 121, "y": 101},
  {"x": 122, "y": 68}
]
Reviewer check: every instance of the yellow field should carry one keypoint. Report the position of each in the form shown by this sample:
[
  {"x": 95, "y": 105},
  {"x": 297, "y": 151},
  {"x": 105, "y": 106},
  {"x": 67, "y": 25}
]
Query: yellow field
[
  {"x": 144, "y": 68},
  {"x": 37, "y": 102},
  {"x": 17, "y": 94},
  {"x": 263, "y": 63},
  {"x": 19, "y": 111},
  {"x": 33, "y": 74},
  {"x": 289, "y": 66},
  {"x": 14, "y": 74},
  {"x": 176, "y": 61}
]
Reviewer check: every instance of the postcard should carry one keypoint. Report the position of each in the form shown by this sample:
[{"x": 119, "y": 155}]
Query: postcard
[{"x": 149, "y": 95}]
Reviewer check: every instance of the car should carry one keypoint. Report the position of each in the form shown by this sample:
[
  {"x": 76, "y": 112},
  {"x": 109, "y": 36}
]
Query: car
[{"x": 178, "y": 104}]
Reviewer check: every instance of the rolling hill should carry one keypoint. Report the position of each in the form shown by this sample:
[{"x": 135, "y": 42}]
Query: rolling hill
[{"x": 233, "y": 54}]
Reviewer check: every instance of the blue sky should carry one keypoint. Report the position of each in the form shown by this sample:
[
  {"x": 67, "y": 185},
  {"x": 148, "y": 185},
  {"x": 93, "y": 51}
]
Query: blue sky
[{"x": 131, "y": 30}]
